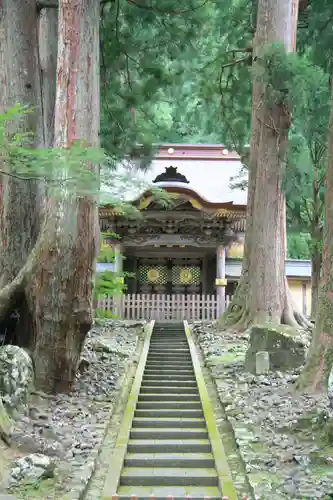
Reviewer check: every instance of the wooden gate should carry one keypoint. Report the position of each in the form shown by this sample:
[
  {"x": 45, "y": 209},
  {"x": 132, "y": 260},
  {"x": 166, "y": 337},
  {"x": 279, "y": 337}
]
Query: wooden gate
[
  {"x": 169, "y": 276},
  {"x": 163, "y": 307}
]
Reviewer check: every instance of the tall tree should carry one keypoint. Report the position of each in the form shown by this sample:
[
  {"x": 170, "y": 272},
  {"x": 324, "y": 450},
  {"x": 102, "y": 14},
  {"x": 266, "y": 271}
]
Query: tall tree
[
  {"x": 305, "y": 207},
  {"x": 61, "y": 283},
  {"x": 20, "y": 204},
  {"x": 263, "y": 294},
  {"x": 53, "y": 272},
  {"x": 314, "y": 375}
]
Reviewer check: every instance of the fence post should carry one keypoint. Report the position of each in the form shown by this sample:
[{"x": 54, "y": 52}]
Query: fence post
[{"x": 118, "y": 303}]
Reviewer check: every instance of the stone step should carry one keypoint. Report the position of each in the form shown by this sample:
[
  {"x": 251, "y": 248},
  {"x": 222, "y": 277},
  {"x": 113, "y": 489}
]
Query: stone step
[
  {"x": 157, "y": 460},
  {"x": 148, "y": 389},
  {"x": 169, "y": 446},
  {"x": 170, "y": 371},
  {"x": 171, "y": 350},
  {"x": 169, "y": 343},
  {"x": 167, "y": 347},
  {"x": 171, "y": 476},
  {"x": 151, "y": 405},
  {"x": 165, "y": 492},
  {"x": 169, "y": 376},
  {"x": 173, "y": 337},
  {"x": 165, "y": 377},
  {"x": 168, "y": 397},
  {"x": 168, "y": 422},
  {"x": 168, "y": 413},
  {"x": 152, "y": 382},
  {"x": 166, "y": 343},
  {"x": 171, "y": 361},
  {"x": 168, "y": 433},
  {"x": 161, "y": 367},
  {"x": 164, "y": 365}
]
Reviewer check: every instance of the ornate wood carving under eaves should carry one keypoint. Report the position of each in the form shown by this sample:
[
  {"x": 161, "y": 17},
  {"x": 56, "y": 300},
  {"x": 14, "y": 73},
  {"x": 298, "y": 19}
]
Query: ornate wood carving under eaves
[{"x": 181, "y": 231}]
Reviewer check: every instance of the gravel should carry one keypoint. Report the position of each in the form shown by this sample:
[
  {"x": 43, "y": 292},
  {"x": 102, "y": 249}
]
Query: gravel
[
  {"x": 282, "y": 435},
  {"x": 68, "y": 429}
]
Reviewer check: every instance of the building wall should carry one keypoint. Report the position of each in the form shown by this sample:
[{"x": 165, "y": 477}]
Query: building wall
[{"x": 301, "y": 293}]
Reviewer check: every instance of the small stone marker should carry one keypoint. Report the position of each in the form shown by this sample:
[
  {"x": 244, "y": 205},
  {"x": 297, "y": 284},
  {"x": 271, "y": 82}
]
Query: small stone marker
[
  {"x": 330, "y": 389},
  {"x": 262, "y": 362}
]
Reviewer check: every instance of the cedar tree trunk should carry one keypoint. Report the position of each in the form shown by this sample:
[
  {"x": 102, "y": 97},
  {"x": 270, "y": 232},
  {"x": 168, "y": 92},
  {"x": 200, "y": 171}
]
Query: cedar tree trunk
[
  {"x": 20, "y": 202},
  {"x": 314, "y": 375},
  {"x": 61, "y": 281},
  {"x": 263, "y": 294},
  {"x": 56, "y": 278},
  {"x": 48, "y": 47}
]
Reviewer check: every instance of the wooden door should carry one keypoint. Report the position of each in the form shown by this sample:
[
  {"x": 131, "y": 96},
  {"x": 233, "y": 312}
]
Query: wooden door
[
  {"x": 169, "y": 276},
  {"x": 153, "y": 275},
  {"x": 186, "y": 276}
]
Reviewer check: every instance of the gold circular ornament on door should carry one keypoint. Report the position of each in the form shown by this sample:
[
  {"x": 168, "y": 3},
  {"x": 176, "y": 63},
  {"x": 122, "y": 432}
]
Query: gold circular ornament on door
[
  {"x": 185, "y": 276},
  {"x": 153, "y": 275}
]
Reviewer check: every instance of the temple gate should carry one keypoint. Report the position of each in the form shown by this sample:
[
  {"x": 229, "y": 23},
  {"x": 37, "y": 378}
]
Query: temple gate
[{"x": 175, "y": 255}]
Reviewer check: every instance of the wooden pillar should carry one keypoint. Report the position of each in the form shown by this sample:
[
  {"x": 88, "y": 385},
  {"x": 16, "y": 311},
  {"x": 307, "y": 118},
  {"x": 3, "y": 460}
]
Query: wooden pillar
[
  {"x": 304, "y": 297},
  {"x": 204, "y": 275},
  {"x": 118, "y": 269},
  {"x": 220, "y": 281}
]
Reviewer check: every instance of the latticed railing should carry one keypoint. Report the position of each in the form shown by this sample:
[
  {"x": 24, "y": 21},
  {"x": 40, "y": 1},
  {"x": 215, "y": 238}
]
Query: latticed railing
[{"x": 162, "y": 307}]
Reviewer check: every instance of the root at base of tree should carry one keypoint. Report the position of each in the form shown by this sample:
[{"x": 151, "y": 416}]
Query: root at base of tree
[
  {"x": 315, "y": 374},
  {"x": 239, "y": 316}
]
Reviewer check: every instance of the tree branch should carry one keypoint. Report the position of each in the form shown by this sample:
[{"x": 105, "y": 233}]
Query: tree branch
[
  {"x": 161, "y": 11},
  {"x": 53, "y": 4},
  {"x": 237, "y": 61},
  {"x": 35, "y": 178},
  {"x": 47, "y": 4}
]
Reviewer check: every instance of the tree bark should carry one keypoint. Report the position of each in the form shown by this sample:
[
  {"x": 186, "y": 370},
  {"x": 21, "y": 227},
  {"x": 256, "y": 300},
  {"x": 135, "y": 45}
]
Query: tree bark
[
  {"x": 314, "y": 375},
  {"x": 237, "y": 314},
  {"x": 316, "y": 247},
  {"x": 263, "y": 294},
  {"x": 61, "y": 282},
  {"x": 48, "y": 48},
  {"x": 20, "y": 203},
  {"x": 55, "y": 276},
  {"x": 316, "y": 259}
]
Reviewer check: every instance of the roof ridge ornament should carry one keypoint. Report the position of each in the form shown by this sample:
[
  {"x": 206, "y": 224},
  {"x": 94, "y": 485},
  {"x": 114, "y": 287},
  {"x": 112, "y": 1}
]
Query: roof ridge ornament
[{"x": 171, "y": 175}]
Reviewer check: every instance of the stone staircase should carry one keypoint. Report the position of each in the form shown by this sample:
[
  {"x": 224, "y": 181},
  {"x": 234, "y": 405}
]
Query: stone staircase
[{"x": 169, "y": 453}]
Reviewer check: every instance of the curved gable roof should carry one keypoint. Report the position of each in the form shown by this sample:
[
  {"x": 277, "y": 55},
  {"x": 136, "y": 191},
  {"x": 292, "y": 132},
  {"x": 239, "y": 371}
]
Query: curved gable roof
[{"x": 209, "y": 174}]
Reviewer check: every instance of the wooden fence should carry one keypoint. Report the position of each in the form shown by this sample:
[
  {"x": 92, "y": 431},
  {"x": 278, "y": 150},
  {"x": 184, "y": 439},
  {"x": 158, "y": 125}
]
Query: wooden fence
[{"x": 164, "y": 307}]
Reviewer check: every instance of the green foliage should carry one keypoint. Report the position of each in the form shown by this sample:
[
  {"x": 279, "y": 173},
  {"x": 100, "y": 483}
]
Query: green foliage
[
  {"x": 299, "y": 245},
  {"x": 143, "y": 54},
  {"x": 109, "y": 284},
  {"x": 60, "y": 168},
  {"x": 104, "y": 314}
]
